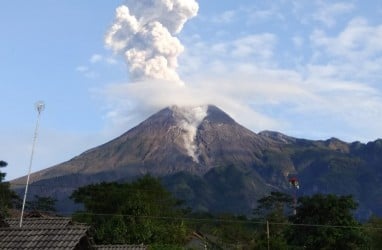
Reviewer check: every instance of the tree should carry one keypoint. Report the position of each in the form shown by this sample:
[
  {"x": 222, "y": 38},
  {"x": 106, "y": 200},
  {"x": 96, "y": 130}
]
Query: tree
[
  {"x": 275, "y": 206},
  {"x": 42, "y": 204},
  {"x": 373, "y": 229},
  {"x": 273, "y": 209},
  {"x": 6, "y": 194},
  {"x": 326, "y": 222},
  {"x": 138, "y": 212}
]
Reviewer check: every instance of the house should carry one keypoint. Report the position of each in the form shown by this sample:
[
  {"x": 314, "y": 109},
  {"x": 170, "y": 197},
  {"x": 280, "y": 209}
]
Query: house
[
  {"x": 43, "y": 233},
  {"x": 120, "y": 247}
]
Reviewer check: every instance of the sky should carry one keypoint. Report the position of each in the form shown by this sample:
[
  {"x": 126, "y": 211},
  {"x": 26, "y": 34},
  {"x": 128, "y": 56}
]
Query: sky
[{"x": 306, "y": 68}]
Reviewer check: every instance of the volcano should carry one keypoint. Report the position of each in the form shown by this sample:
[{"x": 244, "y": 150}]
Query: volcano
[
  {"x": 213, "y": 163},
  {"x": 175, "y": 139}
]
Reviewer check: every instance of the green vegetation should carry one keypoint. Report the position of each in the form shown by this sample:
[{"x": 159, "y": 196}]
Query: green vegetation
[
  {"x": 143, "y": 212},
  {"x": 326, "y": 222},
  {"x": 7, "y": 196},
  {"x": 275, "y": 209},
  {"x": 42, "y": 204},
  {"x": 373, "y": 230},
  {"x": 134, "y": 213}
]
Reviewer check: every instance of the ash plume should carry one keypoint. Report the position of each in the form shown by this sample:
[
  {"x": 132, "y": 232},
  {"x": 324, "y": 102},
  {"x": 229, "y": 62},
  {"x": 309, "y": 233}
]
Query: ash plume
[{"x": 144, "y": 33}]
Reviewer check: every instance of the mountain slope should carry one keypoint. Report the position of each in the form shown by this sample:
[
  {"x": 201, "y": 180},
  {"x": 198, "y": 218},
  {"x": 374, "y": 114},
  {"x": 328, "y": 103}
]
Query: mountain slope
[
  {"x": 162, "y": 145},
  {"x": 204, "y": 157}
]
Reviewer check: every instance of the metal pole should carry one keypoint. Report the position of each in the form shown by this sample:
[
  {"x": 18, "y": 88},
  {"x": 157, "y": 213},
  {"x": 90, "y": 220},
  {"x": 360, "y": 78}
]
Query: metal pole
[
  {"x": 295, "y": 202},
  {"x": 268, "y": 234},
  {"x": 40, "y": 107}
]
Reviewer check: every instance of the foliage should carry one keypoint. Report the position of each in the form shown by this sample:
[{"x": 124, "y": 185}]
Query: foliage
[
  {"x": 373, "y": 229},
  {"x": 326, "y": 222},
  {"x": 274, "y": 206},
  {"x": 224, "y": 231},
  {"x": 144, "y": 212},
  {"x": 164, "y": 247},
  {"x": 134, "y": 213},
  {"x": 42, "y": 203},
  {"x": 6, "y": 194},
  {"x": 274, "y": 209}
]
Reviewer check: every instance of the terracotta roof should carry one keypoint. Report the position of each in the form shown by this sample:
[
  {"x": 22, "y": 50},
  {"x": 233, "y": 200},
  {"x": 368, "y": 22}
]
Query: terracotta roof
[
  {"x": 55, "y": 222},
  {"x": 28, "y": 238},
  {"x": 120, "y": 247},
  {"x": 43, "y": 233},
  {"x": 50, "y": 233},
  {"x": 3, "y": 223}
]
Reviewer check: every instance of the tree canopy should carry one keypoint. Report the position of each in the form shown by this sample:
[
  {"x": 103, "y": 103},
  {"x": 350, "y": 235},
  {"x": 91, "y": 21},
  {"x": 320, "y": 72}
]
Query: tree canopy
[
  {"x": 138, "y": 212},
  {"x": 274, "y": 209},
  {"x": 42, "y": 204},
  {"x": 6, "y": 194},
  {"x": 326, "y": 222},
  {"x": 144, "y": 212}
]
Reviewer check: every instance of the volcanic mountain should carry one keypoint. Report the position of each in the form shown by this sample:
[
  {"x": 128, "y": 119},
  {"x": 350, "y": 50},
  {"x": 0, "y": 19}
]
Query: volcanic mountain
[
  {"x": 213, "y": 163},
  {"x": 175, "y": 139}
]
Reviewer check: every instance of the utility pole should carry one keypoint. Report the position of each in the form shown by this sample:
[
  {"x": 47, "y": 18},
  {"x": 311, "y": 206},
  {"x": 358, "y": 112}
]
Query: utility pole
[{"x": 268, "y": 234}]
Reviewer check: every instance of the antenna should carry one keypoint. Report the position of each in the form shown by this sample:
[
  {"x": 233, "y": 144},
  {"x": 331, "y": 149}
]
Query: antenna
[{"x": 40, "y": 106}]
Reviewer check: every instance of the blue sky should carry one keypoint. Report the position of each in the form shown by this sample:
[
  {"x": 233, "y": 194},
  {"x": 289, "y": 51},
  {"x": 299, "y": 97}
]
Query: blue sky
[{"x": 305, "y": 68}]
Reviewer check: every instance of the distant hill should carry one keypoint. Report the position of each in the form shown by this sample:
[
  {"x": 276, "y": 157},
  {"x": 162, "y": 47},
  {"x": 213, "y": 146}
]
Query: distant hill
[{"x": 213, "y": 163}]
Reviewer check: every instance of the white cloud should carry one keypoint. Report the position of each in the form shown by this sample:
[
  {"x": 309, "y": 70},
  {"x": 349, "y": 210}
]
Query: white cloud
[
  {"x": 257, "y": 48},
  {"x": 225, "y": 17},
  {"x": 298, "y": 41},
  {"x": 95, "y": 63},
  {"x": 254, "y": 15},
  {"x": 87, "y": 72},
  {"x": 358, "y": 39},
  {"x": 354, "y": 52},
  {"x": 330, "y": 94},
  {"x": 328, "y": 13},
  {"x": 111, "y": 60},
  {"x": 254, "y": 45},
  {"x": 82, "y": 68},
  {"x": 96, "y": 58}
]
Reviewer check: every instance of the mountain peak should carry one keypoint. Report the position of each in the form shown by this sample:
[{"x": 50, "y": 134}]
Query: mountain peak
[
  {"x": 191, "y": 113},
  {"x": 176, "y": 138},
  {"x": 215, "y": 114},
  {"x": 189, "y": 118}
]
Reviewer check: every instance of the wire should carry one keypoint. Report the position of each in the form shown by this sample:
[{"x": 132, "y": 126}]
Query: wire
[
  {"x": 49, "y": 187},
  {"x": 215, "y": 220}
]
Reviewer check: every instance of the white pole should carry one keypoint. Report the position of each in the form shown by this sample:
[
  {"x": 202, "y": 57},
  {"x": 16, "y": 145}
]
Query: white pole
[{"x": 40, "y": 107}]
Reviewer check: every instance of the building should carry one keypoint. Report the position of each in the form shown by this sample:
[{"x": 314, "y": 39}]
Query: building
[{"x": 43, "y": 233}]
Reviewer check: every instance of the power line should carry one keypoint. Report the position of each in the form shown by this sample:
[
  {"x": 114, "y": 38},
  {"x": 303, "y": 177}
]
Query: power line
[
  {"x": 46, "y": 187},
  {"x": 217, "y": 220}
]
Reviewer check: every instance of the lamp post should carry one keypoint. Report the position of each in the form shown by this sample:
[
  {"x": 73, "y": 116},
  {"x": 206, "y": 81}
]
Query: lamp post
[{"x": 40, "y": 106}]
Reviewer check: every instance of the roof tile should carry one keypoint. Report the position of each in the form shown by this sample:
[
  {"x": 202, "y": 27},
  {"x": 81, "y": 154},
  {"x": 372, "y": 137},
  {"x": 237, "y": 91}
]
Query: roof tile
[{"x": 42, "y": 233}]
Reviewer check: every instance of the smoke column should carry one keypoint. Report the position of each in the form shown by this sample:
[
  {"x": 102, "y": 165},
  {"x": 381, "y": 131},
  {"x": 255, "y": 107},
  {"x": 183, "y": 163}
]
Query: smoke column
[
  {"x": 144, "y": 33},
  {"x": 189, "y": 119}
]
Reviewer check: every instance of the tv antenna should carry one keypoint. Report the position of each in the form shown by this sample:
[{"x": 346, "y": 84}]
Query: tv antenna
[{"x": 40, "y": 106}]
